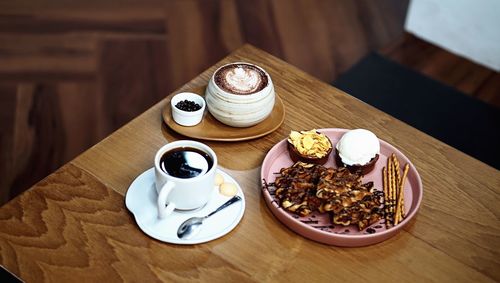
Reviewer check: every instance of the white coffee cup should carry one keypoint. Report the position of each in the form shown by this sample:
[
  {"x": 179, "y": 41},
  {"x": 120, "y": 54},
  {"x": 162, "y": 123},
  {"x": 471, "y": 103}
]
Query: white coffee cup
[{"x": 183, "y": 193}]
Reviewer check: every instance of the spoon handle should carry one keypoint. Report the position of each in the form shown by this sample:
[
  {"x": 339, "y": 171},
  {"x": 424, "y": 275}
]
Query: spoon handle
[{"x": 228, "y": 203}]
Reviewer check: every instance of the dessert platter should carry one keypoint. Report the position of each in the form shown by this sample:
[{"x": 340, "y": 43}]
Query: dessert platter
[
  {"x": 241, "y": 104},
  {"x": 340, "y": 187}
]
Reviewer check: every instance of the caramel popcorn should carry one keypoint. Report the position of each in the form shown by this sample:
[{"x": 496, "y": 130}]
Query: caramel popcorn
[{"x": 310, "y": 143}]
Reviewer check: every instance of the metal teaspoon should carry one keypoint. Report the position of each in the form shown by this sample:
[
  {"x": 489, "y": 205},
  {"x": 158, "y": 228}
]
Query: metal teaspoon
[{"x": 192, "y": 226}]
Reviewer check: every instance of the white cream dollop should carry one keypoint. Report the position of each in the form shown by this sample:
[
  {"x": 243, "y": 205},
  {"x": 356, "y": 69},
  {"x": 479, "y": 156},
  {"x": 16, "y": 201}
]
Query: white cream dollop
[
  {"x": 244, "y": 80},
  {"x": 358, "y": 147}
]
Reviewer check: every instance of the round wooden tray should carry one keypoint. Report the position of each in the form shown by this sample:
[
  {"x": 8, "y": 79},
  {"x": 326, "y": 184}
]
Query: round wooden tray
[{"x": 211, "y": 129}]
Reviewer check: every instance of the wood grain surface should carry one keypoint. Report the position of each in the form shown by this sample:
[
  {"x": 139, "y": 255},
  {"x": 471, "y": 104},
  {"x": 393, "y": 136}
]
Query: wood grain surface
[{"x": 73, "y": 225}]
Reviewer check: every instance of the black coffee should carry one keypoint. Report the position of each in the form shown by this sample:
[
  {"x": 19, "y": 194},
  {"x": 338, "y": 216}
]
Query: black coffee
[{"x": 185, "y": 162}]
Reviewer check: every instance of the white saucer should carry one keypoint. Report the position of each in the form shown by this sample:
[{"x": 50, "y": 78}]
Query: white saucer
[{"x": 141, "y": 201}]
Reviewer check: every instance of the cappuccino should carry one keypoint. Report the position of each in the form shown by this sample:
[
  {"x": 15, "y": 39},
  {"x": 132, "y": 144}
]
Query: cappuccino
[{"x": 241, "y": 78}]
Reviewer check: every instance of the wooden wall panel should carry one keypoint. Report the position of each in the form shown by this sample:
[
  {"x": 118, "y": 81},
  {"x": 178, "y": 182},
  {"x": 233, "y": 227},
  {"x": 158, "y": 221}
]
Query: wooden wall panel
[
  {"x": 65, "y": 80},
  {"x": 132, "y": 78},
  {"x": 46, "y": 57},
  {"x": 83, "y": 116},
  {"x": 323, "y": 38},
  {"x": 199, "y": 33},
  {"x": 7, "y": 121},
  {"x": 72, "y": 72},
  {"x": 38, "y": 134}
]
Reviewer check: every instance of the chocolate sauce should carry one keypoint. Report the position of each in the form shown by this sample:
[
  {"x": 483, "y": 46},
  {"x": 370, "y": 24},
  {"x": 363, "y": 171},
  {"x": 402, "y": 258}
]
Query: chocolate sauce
[
  {"x": 309, "y": 221},
  {"x": 370, "y": 230}
]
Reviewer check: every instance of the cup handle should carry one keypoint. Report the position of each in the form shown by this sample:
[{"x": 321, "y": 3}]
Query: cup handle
[{"x": 165, "y": 210}]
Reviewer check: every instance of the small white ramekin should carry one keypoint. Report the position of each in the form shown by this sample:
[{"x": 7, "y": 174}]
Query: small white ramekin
[{"x": 187, "y": 118}]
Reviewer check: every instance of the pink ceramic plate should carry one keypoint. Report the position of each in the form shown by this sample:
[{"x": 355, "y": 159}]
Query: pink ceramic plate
[{"x": 317, "y": 226}]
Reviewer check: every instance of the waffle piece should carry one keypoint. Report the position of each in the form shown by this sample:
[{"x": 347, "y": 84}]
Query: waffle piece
[
  {"x": 350, "y": 201},
  {"x": 296, "y": 187},
  {"x": 304, "y": 188}
]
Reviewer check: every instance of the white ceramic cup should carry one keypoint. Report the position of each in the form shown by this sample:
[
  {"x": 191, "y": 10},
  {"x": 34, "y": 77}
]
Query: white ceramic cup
[
  {"x": 238, "y": 110},
  {"x": 179, "y": 193}
]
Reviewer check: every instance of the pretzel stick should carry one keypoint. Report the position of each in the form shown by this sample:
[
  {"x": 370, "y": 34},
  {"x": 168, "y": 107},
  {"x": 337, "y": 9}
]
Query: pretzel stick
[
  {"x": 397, "y": 217},
  {"x": 396, "y": 176},
  {"x": 401, "y": 200},
  {"x": 394, "y": 194},
  {"x": 386, "y": 197},
  {"x": 389, "y": 222},
  {"x": 398, "y": 171},
  {"x": 390, "y": 188},
  {"x": 389, "y": 191},
  {"x": 398, "y": 209}
]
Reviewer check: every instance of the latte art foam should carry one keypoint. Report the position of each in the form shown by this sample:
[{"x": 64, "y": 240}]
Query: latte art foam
[{"x": 241, "y": 79}]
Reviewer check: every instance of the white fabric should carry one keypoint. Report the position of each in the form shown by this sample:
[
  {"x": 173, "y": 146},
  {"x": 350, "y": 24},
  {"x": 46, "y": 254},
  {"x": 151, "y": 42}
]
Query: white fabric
[{"x": 469, "y": 28}]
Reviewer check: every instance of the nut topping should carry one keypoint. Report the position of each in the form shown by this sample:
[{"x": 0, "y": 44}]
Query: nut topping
[{"x": 310, "y": 143}]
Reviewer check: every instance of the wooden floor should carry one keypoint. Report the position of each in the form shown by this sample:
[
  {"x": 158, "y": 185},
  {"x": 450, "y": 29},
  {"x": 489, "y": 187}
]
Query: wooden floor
[
  {"x": 449, "y": 69},
  {"x": 72, "y": 72}
]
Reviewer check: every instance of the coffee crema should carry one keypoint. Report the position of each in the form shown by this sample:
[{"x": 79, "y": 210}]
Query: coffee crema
[
  {"x": 241, "y": 79},
  {"x": 186, "y": 162}
]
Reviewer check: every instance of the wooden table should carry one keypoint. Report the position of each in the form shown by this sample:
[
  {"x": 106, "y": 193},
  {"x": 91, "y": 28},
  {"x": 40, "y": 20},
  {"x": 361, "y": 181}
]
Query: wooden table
[{"x": 73, "y": 225}]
